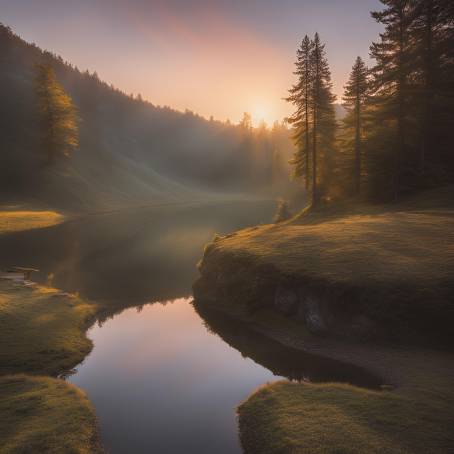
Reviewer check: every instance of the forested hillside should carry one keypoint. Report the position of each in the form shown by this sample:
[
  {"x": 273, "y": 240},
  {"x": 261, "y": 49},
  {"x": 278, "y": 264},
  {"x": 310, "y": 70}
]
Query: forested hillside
[{"x": 129, "y": 151}]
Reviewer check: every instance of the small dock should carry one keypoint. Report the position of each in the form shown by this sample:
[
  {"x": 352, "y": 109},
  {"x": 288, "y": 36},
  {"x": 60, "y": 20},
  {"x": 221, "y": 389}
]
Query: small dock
[{"x": 18, "y": 274}]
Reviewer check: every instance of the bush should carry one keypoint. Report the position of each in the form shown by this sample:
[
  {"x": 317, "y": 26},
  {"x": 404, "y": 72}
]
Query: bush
[{"x": 283, "y": 212}]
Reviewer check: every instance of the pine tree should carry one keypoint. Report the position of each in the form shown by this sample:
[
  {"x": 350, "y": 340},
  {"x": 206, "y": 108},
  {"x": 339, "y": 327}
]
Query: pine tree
[
  {"x": 354, "y": 100},
  {"x": 300, "y": 97},
  {"x": 414, "y": 91},
  {"x": 246, "y": 122},
  {"x": 444, "y": 83},
  {"x": 313, "y": 121},
  {"x": 391, "y": 75},
  {"x": 323, "y": 121},
  {"x": 58, "y": 115},
  {"x": 432, "y": 52}
]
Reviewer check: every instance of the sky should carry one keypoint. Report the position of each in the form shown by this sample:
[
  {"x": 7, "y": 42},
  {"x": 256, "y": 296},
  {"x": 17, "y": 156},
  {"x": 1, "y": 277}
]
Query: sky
[{"x": 218, "y": 58}]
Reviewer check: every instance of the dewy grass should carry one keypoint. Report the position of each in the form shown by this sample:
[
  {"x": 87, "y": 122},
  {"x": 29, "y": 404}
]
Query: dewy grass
[
  {"x": 42, "y": 333},
  {"x": 15, "y": 221}
]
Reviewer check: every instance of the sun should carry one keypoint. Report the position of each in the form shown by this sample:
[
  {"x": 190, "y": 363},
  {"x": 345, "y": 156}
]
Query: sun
[{"x": 262, "y": 112}]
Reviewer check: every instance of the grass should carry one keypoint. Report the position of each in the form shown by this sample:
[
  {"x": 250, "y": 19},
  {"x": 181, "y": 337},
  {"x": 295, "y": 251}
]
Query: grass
[
  {"x": 335, "y": 418},
  {"x": 45, "y": 415},
  {"x": 15, "y": 221},
  {"x": 42, "y": 334},
  {"x": 390, "y": 247},
  {"x": 398, "y": 262},
  {"x": 416, "y": 417},
  {"x": 390, "y": 263},
  {"x": 413, "y": 414}
]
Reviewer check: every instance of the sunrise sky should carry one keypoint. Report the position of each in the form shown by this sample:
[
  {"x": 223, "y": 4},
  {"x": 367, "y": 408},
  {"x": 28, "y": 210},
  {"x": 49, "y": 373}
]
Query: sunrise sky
[{"x": 215, "y": 57}]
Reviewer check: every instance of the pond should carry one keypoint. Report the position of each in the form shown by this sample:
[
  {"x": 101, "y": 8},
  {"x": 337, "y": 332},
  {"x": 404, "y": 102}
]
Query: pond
[
  {"x": 165, "y": 375},
  {"x": 161, "y": 382}
]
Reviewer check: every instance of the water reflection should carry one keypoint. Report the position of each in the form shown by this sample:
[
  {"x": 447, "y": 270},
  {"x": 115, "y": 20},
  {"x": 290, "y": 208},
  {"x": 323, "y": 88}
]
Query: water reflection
[
  {"x": 161, "y": 382},
  {"x": 287, "y": 362},
  {"x": 129, "y": 258}
]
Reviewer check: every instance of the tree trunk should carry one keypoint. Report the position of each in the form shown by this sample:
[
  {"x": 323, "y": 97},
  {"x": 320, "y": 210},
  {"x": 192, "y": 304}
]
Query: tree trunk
[
  {"x": 307, "y": 143},
  {"x": 306, "y": 109},
  {"x": 401, "y": 107},
  {"x": 314, "y": 161},
  {"x": 428, "y": 89},
  {"x": 357, "y": 144}
]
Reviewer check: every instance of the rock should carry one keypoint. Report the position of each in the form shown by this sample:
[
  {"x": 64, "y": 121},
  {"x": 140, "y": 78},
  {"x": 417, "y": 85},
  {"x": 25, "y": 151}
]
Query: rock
[
  {"x": 312, "y": 315},
  {"x": 285, "y": 300}
]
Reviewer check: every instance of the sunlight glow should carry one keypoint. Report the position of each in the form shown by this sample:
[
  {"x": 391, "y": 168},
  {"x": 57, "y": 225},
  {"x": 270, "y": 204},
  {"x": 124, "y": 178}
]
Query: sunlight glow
[{"x": 263, "y": 112}]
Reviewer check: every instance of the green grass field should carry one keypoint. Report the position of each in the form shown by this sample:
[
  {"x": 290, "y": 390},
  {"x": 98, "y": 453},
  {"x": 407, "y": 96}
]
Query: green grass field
[{"x": 42, "y": 334}]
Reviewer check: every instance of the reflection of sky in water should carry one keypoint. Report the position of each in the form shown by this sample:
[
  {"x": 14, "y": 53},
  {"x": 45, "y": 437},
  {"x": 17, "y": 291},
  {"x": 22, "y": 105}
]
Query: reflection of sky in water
[{"x": 162, "y": 383}]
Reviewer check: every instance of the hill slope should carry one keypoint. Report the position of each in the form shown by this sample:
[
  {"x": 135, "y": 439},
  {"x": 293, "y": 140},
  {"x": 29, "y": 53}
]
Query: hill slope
[{"x": 130, "y": 150}]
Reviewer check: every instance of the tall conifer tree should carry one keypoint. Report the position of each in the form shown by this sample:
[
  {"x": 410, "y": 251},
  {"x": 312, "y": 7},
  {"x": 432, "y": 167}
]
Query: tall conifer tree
[
  {"x": 58, "y": 115},
  {"x": 323, "y": 120},
  {"x": 300, "y": 96},
  {"x": 391, "y": 74},
  {"x": 354, "y": 100}
]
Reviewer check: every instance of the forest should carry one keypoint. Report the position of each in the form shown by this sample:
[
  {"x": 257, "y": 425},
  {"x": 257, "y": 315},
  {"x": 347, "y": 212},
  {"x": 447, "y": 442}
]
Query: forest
[
  {"x": 110, "y": 148},
  {"x": 396, "y": 138}
]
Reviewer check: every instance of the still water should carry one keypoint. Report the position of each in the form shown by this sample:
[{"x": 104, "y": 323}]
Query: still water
[
  {"x": 162, "y": 383},
  {"x": 165, "y": 375}
]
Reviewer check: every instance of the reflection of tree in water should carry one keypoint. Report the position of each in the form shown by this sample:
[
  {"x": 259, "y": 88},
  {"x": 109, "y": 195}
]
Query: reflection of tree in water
[{"x": 287, "y": 362}]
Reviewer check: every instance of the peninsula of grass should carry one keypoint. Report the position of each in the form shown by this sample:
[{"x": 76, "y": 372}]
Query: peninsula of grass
[
  {"x": 18, "y": 220},
  {"x": 391, "y": 264},
  {"x": 42, "y": 335}
]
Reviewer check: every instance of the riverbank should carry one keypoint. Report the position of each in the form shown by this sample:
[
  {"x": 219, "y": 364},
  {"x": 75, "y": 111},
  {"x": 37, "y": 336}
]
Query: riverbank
[
  {"x": 382, "y": 272},
  {"x": 413, "y": 413},
  {"x": 324, "y": 281},
  {"x": 42, "y": 336},
  {"x": 17, "y": 219}
]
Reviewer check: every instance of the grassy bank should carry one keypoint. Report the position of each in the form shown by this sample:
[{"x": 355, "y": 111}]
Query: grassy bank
[
  {"x": 414, "y": 416},
  {"x": 17, "y": 220},
  {"x": 42, "y": 334},
  {"x": 391, "y": 265}
]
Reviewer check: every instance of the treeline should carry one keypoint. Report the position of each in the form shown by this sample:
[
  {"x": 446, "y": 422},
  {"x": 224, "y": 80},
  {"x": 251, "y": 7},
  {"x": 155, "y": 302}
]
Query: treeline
[
  {"x": 397, "y": 136},
  {"x": 121, "y": 147}
]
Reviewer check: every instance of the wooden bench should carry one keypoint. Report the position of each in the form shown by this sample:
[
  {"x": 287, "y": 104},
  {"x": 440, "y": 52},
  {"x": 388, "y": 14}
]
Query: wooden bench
[{"x": 27, "y": 272}]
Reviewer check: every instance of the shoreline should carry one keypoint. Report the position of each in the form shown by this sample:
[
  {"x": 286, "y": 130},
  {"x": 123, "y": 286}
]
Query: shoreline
[
  {"x": 313, "y": 284},
  {"x": 55, "y": 416},
  {"x": 417, "y": 386}
]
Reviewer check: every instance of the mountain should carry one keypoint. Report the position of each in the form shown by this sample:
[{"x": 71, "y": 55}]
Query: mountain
[{"x": 130, "y": 150}]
